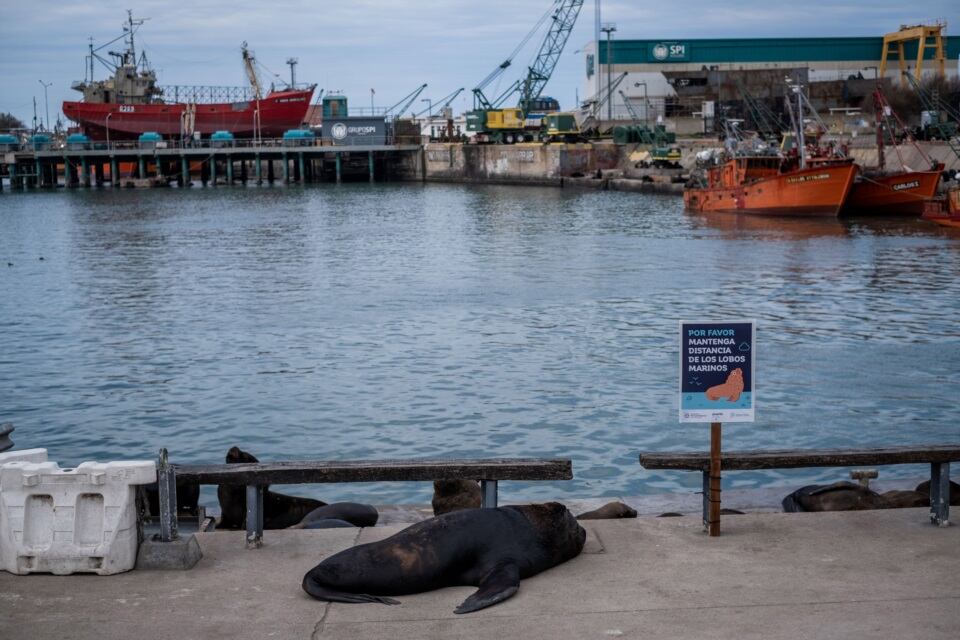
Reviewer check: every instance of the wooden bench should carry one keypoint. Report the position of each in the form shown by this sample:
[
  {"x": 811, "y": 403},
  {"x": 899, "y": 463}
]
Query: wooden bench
[
  {"x": 938, "y": 457},
  {"x": 256, "y": 476}
]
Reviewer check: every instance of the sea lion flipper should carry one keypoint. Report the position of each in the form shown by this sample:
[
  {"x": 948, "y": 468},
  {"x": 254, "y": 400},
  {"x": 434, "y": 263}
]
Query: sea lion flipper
[
  {"x": 502, "y": 582},
  {"x": 321, "y": 592}
]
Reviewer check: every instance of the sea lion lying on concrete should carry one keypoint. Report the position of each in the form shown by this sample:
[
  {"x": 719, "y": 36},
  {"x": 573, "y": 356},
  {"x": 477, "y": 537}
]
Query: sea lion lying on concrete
[
  {"x": 454, "y": 495},
  {"x": 924, "y": 487},
  {"x": 279, "y": 511},
  {"x": 609, "y": 511},
  {"x": 904, "y": 499},
  {"x": 492, "y": 549},
  {"x": 839, "y": 496},
  {"x": 351, "y": 514}
]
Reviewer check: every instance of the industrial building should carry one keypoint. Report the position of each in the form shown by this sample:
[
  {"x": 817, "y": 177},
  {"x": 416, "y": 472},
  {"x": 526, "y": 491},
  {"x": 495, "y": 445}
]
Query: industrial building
[{"x": 681, "y": 81}]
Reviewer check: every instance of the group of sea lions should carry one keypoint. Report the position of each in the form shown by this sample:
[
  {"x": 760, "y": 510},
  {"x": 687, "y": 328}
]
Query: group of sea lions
[{"x": 847, "y": 496}]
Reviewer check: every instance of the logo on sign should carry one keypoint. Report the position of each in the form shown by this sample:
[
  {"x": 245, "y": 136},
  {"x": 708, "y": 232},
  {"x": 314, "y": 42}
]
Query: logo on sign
[
  {"x": 339, "y": 131},
  {"x": 669, "y": 51},
  {"x": 660, "y": 52}
]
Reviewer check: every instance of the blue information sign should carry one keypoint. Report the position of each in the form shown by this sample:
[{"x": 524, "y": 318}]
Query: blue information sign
[{"x": 717, "y": 371}]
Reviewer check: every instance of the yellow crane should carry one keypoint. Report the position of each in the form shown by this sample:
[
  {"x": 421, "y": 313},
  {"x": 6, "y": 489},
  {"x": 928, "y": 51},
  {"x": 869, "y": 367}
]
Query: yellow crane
[{"x": 927, "y": 37}]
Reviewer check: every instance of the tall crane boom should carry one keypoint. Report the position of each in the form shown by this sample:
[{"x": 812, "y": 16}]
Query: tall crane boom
[
  {"x": 248, "y": 62},
  {"x": 538, "y": 74}
]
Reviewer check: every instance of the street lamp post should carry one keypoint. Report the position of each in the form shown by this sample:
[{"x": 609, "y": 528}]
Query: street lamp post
[
  {"x": 608, "y": 28},
  {"x": 429, "y": 107},
  {"x": 46, "y": 103}
]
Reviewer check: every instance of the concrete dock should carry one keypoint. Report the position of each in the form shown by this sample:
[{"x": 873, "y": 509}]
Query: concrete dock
[{"x": 874, "y": 574}]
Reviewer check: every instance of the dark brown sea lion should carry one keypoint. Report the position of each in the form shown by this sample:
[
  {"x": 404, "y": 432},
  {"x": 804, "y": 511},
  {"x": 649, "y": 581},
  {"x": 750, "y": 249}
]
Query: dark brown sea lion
[
  {"x": 924, "y": 487},
  {"x": 839, "y": 496},
  {"x": 188, "y": 497},
  {"x": 492, "y": 549},
  {"x": 279, "y": 511},
  {"x": 609, "y": 511},
  {"x": 353, "y": 513},
  {"x": 454, "y": 495},
  {"x": 904, "y": 499}
]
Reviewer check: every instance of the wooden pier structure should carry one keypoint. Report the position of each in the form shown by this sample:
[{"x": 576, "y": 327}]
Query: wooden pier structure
[{"x": 129, "y": 164}]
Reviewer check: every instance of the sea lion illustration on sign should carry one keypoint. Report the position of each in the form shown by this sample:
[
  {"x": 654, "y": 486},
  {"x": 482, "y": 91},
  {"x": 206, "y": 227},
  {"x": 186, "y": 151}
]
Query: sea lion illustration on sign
[
  {"x": 731, "y": 389},
  {"x": 492, "y": 549}
]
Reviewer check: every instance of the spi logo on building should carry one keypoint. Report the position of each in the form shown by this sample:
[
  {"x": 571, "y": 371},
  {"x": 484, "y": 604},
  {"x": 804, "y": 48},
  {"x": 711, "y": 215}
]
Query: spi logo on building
[
  {"x": 339, "y": 131},
  {"x": 716, "y": 371},
  {"x": 669, "y": 51}
]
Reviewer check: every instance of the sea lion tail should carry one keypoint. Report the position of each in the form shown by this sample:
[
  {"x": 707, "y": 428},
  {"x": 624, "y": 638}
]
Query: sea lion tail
[{"x": 320, "y": 592}]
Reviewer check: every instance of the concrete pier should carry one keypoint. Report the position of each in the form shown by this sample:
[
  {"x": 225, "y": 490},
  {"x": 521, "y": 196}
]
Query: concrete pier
[{"x": 878, "y": 574}]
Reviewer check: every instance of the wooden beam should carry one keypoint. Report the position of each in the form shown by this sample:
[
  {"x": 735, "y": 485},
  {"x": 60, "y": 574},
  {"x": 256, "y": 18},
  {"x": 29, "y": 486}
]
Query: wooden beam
[
  {"x": 787, "y": 459},
  {"x": 308, "y": 472}
]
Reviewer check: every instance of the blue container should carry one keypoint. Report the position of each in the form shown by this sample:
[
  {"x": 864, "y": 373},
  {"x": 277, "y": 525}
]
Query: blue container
[
  {"x": 78, "y": 141},
  {"x": 9, "y": 142},
  {"x": 40, "y": 142},
  {"x": 298, "y": 138},
  {"x": 221, "y": 139}
]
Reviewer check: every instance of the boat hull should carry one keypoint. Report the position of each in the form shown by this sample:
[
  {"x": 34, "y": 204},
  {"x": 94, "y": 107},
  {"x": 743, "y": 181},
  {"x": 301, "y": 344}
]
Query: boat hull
[
  {"x": 279, "y": 112},
  {"x": 814, "y": 192},
  {"x": 902, "y": 193},
  {"x": 944, "y": 211}
]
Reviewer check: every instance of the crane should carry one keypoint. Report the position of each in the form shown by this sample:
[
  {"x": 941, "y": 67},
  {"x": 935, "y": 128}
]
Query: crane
[
  {"x": 446, "y": 100},
  {"x": 248, "y": 63},
  {"x": 405, "y": 102},
  {"x": 498, "y": 124}
]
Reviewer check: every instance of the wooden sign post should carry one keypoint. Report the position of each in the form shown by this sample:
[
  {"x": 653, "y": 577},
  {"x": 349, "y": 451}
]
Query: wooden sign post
[{"x": 716, "y": 385}]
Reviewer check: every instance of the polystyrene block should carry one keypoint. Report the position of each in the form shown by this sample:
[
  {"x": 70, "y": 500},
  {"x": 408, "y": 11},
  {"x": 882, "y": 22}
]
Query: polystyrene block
[{"x": 65, "y": 521}]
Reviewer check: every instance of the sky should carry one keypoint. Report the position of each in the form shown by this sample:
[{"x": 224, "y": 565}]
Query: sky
[{"x": 391, "y": 46}]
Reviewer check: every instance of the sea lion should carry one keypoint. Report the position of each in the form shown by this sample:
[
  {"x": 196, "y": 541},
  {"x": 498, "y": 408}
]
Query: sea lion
[
  {"x": 454, "y": 495},
  {"x": 188, "y": 497},
  {"x": 492, "y": 549},
  {"x": 904, "y": 499},
  {"x": 279, "y": 511},
  {"x": 839, "y": 496},
  {"x": 609, "y": 511},
  {"x": 731, "y": 389},
  {"x": 353, "y": 513},
  {"x": 924, "y": 487}
]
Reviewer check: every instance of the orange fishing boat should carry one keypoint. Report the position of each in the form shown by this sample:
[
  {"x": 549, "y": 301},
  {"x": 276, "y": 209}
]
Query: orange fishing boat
[
  {"x": 760, "y": 185},
  {"x": 900, "y": 193},
  {"x": 892, "y": 192},
  {"x": 945, "y": 211}
]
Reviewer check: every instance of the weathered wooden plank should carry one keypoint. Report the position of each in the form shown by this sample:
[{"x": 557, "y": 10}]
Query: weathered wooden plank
[
  {"x": 792, "y": 458},
  {"x": 309, "y": 472}
]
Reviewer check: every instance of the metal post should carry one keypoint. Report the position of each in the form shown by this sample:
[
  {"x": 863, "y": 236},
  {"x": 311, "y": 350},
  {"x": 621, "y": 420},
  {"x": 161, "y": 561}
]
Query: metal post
[
  {"x": 185, "y": 171},
  {"x": 229, "y": 170},
  {"x": 286, "y": 169},
  {"x": 303, "y": 175},
  {"x": 940, "y": 493},
  {"x": 608, "y": 29},
  {"x": 36, "y": 170},
  {"x": 213, "y": 171},
  {"x": 167, "y": 489},
  {"x": 258, "y": 170},
  {"x": 337, "y": 155},
  {"x": 114, "y": 172},
  {"x": 488, "y": 491},
  {"x": 141, "y": 167},
  {"x": 370, "y": 163},
  {"x": 706, "y": 499},
  {"x": 254, "y": 516},
  {"x": 714, "y": 479},
  {"x": 270, "y": 171},
  {"x": 86, "y": 171}
]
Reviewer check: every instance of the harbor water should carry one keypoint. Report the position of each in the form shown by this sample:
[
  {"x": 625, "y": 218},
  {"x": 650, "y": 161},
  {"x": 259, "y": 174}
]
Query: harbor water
[{"x": 432, "y": 321}]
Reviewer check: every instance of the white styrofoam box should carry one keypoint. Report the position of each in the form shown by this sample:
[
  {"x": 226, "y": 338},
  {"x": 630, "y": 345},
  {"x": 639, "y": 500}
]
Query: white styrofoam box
[
  {"x": 24, "y": 455},
  {"x": 65, "y": 521}
]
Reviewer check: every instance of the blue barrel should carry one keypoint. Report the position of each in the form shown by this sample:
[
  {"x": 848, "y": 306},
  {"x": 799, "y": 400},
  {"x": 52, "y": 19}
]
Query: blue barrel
[
  {"x": 78, "y": 141},
  {"x": 9, "y": 142},
  {"x": 40, "y": 142},
  {"x": 298, "y": 138},
  {"x": 221, "y": 139}
]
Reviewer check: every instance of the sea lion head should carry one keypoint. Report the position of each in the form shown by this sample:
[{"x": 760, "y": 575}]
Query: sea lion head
[
  {"x": 558, "y": 529},
  {"x": 237, "y": 455}
]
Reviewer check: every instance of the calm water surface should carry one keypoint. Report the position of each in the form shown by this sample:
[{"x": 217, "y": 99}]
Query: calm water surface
[{"x": 405, "y": 321}]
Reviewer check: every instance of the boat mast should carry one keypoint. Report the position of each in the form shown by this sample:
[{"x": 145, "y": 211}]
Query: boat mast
[
  {"x": 879, "y": 109},
  {"x": 801, "y": 143},
  {"x": 248, "y": 60}
]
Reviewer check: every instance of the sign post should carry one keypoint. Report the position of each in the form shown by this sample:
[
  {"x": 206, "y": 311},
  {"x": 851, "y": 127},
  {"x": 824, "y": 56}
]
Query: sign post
[{"x": 716, "y": 386}]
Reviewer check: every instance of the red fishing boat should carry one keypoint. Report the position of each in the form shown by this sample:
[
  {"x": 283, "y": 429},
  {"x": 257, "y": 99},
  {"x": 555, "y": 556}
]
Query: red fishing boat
[
  {"x": 886, "y": 192},
  {"x": 944, "y": 210},
  {"x": 131, "y": 102}
]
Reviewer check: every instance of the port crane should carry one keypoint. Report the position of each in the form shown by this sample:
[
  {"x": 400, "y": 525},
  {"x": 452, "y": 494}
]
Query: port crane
[
  {"x": 404, "y": 103},
  {"x": 445, "y": 100},
  {"x": 488, "y": 119}
]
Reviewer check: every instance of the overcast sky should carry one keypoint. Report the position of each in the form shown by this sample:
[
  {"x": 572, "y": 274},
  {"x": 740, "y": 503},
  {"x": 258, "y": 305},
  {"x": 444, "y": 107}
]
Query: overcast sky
[{"x": 390, "y": 46}]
